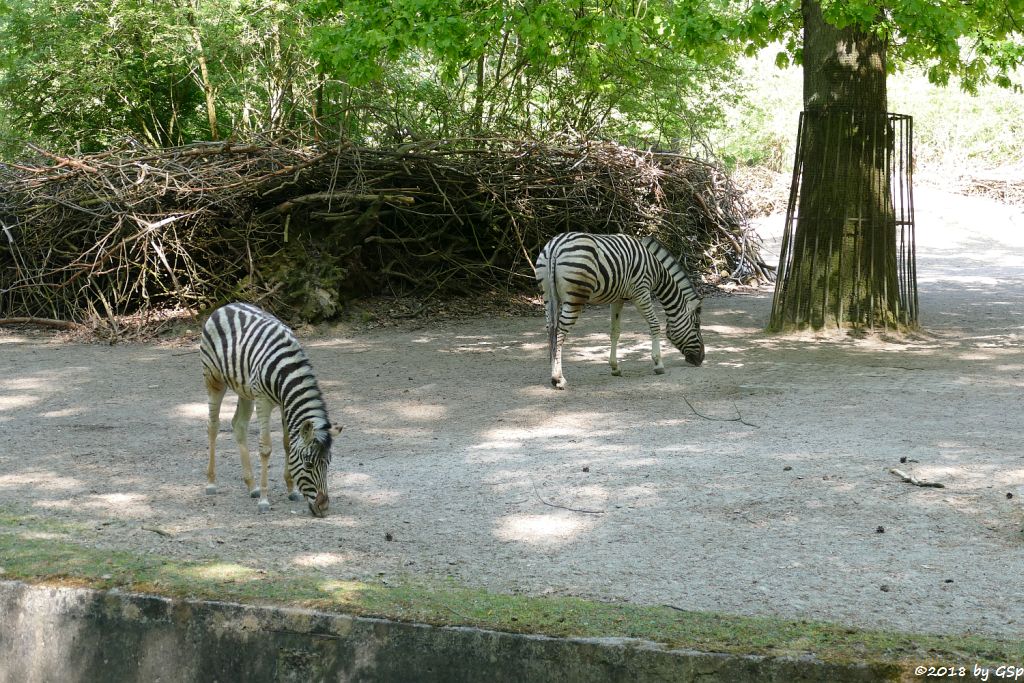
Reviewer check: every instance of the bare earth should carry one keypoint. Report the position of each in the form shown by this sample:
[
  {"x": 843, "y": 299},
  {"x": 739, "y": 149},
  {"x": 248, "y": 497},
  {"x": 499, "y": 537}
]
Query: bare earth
[{"x": 456, "y": 446}]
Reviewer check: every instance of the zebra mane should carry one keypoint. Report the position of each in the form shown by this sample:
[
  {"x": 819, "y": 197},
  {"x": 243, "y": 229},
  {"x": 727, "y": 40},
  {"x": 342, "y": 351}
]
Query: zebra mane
[
  {"x": 675, "y": 271},
  {"x": 324, "y": 440}
]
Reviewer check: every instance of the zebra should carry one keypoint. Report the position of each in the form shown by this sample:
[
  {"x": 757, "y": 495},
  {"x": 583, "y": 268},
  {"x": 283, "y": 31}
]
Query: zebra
[
  {"x": 575, "y": 268},
  {"x": 255, "y": 354}
]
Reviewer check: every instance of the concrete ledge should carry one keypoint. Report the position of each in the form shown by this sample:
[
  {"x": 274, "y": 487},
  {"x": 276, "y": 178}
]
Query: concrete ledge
[{"x": 70, "y": 634}]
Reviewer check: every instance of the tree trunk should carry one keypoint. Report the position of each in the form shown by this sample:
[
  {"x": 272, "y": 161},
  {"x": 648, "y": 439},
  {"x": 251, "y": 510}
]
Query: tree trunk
[
  {"x": 842, "y": 268},
  {"x": 478, "y": 105},
  {"x": 204, "y": 72}
]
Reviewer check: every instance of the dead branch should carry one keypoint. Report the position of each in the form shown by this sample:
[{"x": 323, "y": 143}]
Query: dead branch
[
  {"x": 564, "y": 507},
  {"x": 738, "y": 418},
  {"x": 42, "y": 322},
  {"x": 911, "y": 479}
]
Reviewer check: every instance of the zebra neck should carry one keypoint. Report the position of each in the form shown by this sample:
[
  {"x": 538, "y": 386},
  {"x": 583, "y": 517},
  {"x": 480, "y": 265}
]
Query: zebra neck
[
  {"x": 673, "y": 287},
  {"x": 301, "y": 400}
]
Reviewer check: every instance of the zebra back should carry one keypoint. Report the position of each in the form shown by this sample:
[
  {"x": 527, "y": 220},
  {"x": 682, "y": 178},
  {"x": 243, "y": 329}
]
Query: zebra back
[
  {"x": 257, "y": 355},
  {"x": 588, "y": 268},
  {"x": 603, "y": 268}
]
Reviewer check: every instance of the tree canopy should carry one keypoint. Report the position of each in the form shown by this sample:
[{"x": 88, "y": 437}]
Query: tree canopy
[{"x": 88, "y": 73}]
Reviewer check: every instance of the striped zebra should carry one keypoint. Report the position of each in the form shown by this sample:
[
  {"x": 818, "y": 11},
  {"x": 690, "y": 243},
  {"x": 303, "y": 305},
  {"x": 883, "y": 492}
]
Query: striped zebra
[
  {"x": 257, "y": 356},
  {"x": 577, "y": 268}
]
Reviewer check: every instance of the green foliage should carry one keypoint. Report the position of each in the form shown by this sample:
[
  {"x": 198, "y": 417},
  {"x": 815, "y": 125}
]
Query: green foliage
[
  {"x": 80, "y": 74},
  {"x": 650, "y": 74},
  {"x": 973, "y": 43},
  {"x": 959, "y": 132},
  {"x": 953, "y": 130},
  {"x": 87, "y": 74},
  {"x": 759, "y": 130}
]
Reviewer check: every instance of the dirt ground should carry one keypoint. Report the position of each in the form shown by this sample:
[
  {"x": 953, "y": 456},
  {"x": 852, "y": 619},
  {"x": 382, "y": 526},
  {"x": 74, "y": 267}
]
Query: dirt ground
[{"x": 775, "y": 499}]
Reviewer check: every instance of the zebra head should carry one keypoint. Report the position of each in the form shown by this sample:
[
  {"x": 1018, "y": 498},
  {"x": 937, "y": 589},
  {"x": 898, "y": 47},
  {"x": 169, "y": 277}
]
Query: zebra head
[
  {"x": 311, "y": 456},
  {"x": 683, "y": 330}
]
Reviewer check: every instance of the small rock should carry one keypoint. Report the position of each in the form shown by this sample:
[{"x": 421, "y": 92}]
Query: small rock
[
  {"x": 586, "y": 468},
  {"x": 880, "y": 529},
  {"x": 884, "y": 588},
  {"x": 787, "y": 468},
  {"x": 388, "y": 537}
]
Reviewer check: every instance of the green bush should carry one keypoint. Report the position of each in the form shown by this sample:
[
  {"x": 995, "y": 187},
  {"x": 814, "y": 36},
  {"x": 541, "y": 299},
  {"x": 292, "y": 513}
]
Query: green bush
[{"x": 952, "y": 129}]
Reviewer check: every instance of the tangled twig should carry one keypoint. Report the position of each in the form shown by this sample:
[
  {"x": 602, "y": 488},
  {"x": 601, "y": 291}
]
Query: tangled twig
[
  {"x": 564, "y": 507},
  {"x": 738, "y": 418},
  {"x": 302, "y": 228}
]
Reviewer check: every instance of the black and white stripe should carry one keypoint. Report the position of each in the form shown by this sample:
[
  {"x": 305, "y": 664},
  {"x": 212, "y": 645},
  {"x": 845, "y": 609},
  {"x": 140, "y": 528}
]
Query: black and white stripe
[
  {"x": 246, "y": 349},
  {"x": 577, "y": 268}
]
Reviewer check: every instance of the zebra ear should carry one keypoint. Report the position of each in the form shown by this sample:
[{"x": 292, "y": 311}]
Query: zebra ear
[{"x": 306, "y": 431}]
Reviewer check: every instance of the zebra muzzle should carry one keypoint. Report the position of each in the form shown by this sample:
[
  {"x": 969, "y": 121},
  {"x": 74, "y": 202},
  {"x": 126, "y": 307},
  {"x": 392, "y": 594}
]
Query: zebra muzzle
[{"x": 319, "y": 505}]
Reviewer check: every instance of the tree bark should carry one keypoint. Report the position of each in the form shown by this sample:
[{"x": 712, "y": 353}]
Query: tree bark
[
  {"x": 478, "y": 105},
  {"x": 204, "y": 71},
  {"x": 842, "y": 269}
]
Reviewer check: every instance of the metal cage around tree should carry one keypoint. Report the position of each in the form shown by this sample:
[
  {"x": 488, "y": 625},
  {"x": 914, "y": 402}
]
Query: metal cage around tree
[{"x": 848, "y": 253}]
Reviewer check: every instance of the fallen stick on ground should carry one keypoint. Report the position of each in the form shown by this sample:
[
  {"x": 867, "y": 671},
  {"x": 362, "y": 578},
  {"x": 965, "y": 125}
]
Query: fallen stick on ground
[
  {"x": 911, "y": 479},
  {"x": 43, "y": 322}
]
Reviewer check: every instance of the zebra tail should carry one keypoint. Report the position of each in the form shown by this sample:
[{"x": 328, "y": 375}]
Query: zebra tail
[{"x": 553, "y": 306}]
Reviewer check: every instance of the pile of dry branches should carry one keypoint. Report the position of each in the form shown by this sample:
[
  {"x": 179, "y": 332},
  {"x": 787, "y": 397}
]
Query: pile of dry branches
[
  {"x": 1007, "y": 191},
  {"x": 303, "y": 228},
  {"x": 766, "y": 192}
]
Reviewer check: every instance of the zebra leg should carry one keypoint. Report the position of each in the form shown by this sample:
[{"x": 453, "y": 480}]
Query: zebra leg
[
  {"x": 616, "y": 328},
  {"x": 289, "y": 483},
  {"x": 263, "y": 409},
  {"x": 567, "y": 317},
  {"x": 240, "y": 425},
  {"x": 646, "y": 306},
  {"x": 215, "y": 390}
]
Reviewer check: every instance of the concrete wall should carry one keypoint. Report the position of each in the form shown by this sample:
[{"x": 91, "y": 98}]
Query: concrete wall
[{"x": 71, "y": 635}]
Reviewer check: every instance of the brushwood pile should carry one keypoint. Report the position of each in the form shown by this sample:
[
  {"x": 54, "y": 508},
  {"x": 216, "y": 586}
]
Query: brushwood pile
[{"x": 302, "y": 229}]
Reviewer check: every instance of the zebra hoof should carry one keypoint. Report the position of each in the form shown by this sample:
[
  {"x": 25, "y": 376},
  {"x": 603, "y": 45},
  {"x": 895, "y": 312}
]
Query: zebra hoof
[
  {"x": 255, "y": 493},
  {"x": 659, "y": 371},
  {"x": 294, "y": 496},
  {"x": 616, "y": 372},
  {"x": 211, "y": 489},
  {"x": 558, "y": 383},
  {"x": 263, "y": 506}
]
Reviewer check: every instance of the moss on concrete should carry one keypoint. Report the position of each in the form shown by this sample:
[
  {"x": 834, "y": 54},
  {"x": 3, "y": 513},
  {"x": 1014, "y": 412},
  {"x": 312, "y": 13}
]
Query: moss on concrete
[{"x": 42, "y": 550}]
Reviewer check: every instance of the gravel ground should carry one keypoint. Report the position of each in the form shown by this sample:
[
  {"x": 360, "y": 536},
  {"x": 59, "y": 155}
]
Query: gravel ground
[{"x": 756, "y": 484}]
